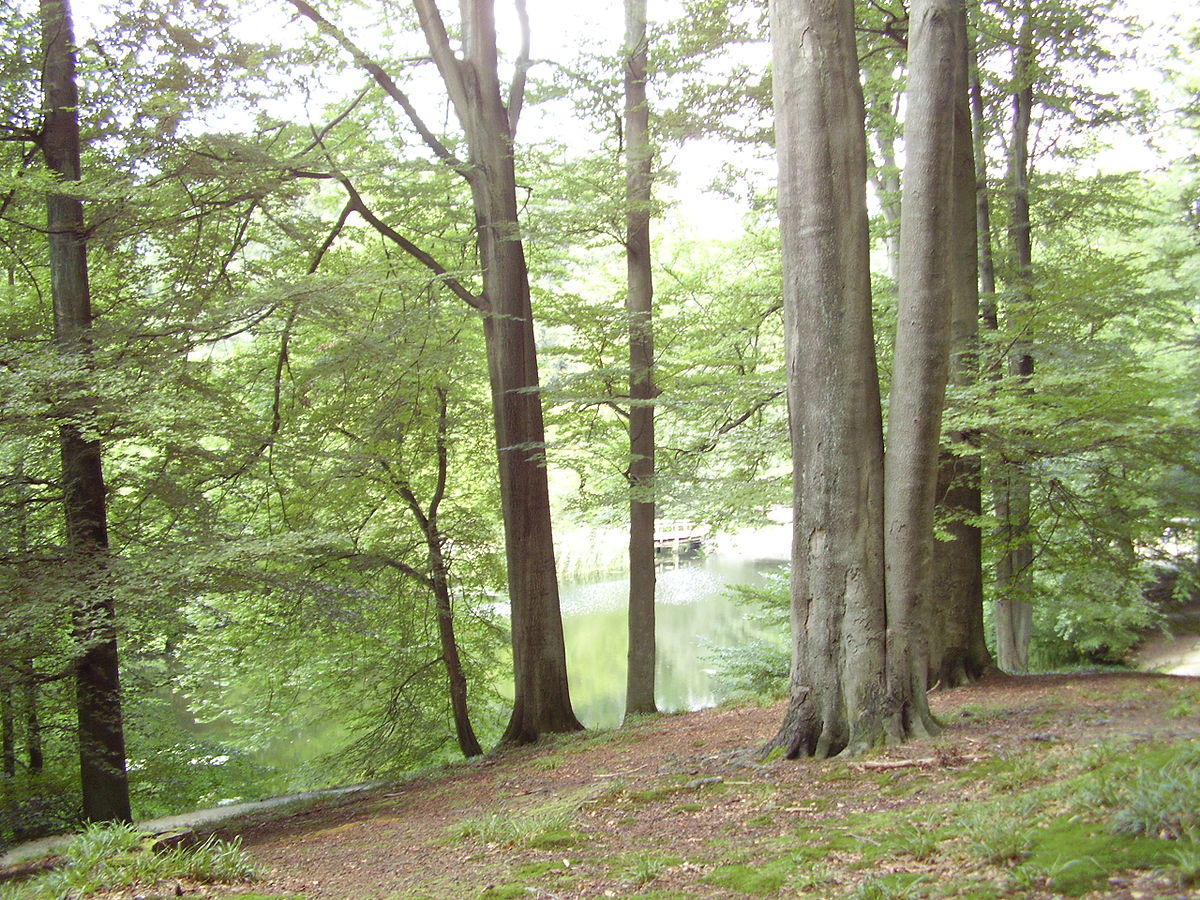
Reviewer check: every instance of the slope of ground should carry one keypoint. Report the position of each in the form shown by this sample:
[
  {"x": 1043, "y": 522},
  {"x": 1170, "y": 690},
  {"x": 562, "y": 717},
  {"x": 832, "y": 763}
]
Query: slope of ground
[
  {"x": 678, "y": 806},
  {"x": 1017, "y": 798}
]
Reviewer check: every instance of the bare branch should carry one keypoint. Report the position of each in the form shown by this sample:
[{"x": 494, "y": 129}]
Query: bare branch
[
  {"x": 319, "y": 136},
  {"x": 448, "y": 64},
  {"x": 456, "y": 287},
  {"x": 385, "y": 81},
  {"x": 337, "y": 229},
  {"x": 516, "y": 92}
]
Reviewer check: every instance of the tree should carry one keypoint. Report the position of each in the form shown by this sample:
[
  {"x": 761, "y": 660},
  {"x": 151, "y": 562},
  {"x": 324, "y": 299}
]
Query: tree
[
  {"x": 101, "y": 732},
  {"x": 836, "y": 689},
  {"x": 958, "y": 646},
  {"x": 859, "y": 661},
  {"x": 1014, "y": 573},
  {"x": 929, "y": 263},
  {"x": 488, "y": 122},
  {"x": 639, "y": 696}
]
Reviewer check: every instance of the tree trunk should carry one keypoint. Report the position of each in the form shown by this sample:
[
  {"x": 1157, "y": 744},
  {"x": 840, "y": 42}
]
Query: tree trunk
[
  {"x": 8, "y": 731},
  {"x": 98, "y": 690},
  {"x": 33, "y": 719},
  {"x": 958, "y": 648},
  {"x": 928, "y": 260},
  {"x": 542, "y": 702},
  {"x": 1014, "y": 576},
  {"x": 639, "y": 693},
  {"x": 439, "y": 572},
  {"x": 836, "y": 688}
]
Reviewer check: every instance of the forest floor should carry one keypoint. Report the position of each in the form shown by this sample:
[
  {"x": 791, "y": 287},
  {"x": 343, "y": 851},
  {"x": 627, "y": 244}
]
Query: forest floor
[{"x": 1015, "y": 799}]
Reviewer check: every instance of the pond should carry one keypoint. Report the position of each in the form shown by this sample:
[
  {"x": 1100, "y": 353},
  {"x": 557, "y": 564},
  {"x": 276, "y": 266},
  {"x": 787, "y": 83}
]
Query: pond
[{"x": 696, "y": 616}]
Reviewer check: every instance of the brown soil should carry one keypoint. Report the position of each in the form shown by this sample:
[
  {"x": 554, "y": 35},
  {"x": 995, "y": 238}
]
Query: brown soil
[{"x": 675, "y": 786}]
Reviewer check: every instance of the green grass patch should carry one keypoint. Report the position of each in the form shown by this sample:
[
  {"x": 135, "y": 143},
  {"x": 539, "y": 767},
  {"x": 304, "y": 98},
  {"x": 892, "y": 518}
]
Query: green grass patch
[
  {"x": 112, "y": 857},
  {"x": 642, "y": 870},
  {"x": 509, "y": 891},
  {"x": 766, "y": 878},
  {"x": 899, "y": 886},
  {"x": 542, "y": 827},
  {"x": 1076, "y": 857}
]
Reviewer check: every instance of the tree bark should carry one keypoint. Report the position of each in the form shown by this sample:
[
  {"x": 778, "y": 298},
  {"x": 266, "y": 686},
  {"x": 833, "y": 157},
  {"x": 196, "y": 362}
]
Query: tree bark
[
  {"x": 1014, "y": 574},
  {"x": 958, "y": 647},
  {"x": 439, "y": 582},
  {"x": 98, "y": 688},
  {"x": 838, "y": 621},
  {"x": 33, "y": 719},
  {"x": 928, "y": 259},
  {"x": 639, "y": 693},
  {"x": 542, "y": 701},
  {"x": 8, "y": 731}
]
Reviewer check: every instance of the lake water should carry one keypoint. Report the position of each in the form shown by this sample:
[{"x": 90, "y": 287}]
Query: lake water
[{"x": 696, "y": 616}]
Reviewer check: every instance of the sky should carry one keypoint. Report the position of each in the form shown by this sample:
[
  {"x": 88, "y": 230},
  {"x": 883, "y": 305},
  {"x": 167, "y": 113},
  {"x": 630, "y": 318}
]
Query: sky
[{"x": 557, "y": 26}]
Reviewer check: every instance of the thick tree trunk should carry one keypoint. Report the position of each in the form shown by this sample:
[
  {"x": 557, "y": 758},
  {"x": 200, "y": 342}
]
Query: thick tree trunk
[
  {"x": 1014, "y": 576},
  {"x": 639, "y": 693},
  {"x": 837, "y": 689},
  {"x": 958, "y": 648},
  {"x": 98, "y": 690},
  {"x": 928, "y": 260}
]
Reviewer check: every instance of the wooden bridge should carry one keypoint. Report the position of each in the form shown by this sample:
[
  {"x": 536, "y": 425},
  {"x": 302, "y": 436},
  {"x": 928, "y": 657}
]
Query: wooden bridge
[{"x": 679, "y": 538}]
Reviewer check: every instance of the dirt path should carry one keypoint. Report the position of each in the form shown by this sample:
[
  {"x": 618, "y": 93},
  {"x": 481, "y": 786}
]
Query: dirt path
[{"x": 1176, "y": 652}]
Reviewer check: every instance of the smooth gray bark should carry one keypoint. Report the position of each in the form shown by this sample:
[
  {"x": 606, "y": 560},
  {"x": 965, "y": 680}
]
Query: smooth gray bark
[
  {"x": 958, "y": 648},
  {"x": 921, "y": 362},
  {"x": 837, "y": 688},
  {"x": 639, "y": 693},
  {"x": 1014, "y": 571}
]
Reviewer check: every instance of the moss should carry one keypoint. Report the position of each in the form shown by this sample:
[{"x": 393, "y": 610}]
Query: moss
[
  {"x": 504, "y": 892},
  {"x": 1080, "y": 856},
  {"x": 553, "y": 838},
  {"x": 766, "y": 878}
]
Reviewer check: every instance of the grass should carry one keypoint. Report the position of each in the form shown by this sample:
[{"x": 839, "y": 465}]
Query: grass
[
  {"x": 544, "y": 827},
  {"x": 1014, "y": 818},
  {"x": 111, "y": 857}
]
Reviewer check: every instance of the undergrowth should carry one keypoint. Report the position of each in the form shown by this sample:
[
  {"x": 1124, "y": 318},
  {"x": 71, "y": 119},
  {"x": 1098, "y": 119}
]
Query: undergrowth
[{"x": 110, "y": 857}]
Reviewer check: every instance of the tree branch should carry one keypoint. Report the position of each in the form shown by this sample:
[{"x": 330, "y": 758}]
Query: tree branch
[
  {"x": 337, "y": 229},
  {"x": 456, "y": 287},
  {"x": 385, "y": 81},
  {"x": 448, "y": 64},
  {"x": 516, "y": 91},
  {"x": 319, "y": 136}
]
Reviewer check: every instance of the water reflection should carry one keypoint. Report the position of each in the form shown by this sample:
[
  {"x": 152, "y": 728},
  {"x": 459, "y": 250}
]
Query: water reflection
[{"x": 695, "y": 616}]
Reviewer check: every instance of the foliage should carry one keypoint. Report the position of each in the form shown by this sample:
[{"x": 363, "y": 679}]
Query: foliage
[
  {"x": 761, "y": 667},
  {"x": 111, "y": 857},
  {"x": 1163, "y": 800},
  {"x": 269, "y": 376}
]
